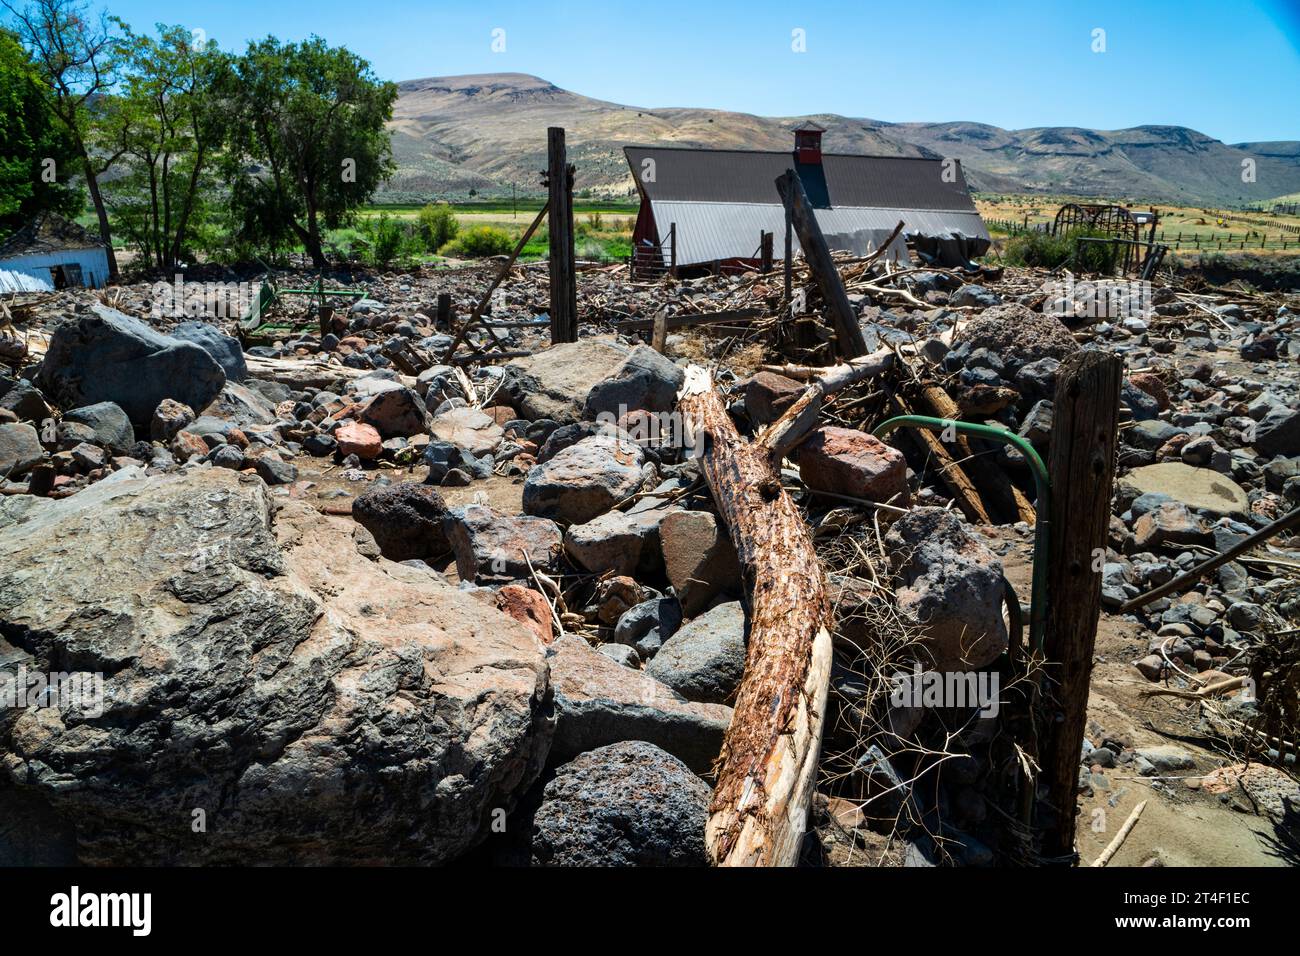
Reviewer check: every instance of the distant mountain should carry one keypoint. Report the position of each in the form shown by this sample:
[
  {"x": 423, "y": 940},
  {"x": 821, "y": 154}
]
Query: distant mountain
[{"x": 484, "y": 132}]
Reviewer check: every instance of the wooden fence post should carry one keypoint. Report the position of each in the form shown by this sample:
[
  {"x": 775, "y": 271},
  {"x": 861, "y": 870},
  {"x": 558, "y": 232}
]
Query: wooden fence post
[
  {"x": 1082, "y": 470},
  {"x": 765, "y": 252},
  {"x": 849, "y": 342},
  {"x": 564, "y": 279}
]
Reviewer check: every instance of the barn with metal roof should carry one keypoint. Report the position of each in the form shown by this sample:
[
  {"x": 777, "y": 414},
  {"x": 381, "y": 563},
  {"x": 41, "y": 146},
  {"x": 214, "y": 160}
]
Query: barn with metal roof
[
  {"x": 56, "y": 251},
  {"x": 711, "y": 206}
]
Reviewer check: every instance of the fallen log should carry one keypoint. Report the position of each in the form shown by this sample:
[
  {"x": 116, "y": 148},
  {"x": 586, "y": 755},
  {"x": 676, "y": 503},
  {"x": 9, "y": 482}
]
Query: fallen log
[{"x": 768, "y": 763}]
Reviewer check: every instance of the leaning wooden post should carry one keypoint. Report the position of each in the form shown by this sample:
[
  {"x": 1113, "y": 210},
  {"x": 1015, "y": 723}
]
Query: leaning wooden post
[
  {"x": 1081, "y": 466},
  {"x": 849, "y": 342},
  {"x": 564, "y": 281}
]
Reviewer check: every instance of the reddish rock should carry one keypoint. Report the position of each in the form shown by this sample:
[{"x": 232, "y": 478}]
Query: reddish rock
[
  {"x": 1150, "y": 383},
  {"x": 186, "y": 445},
  {"x": 699, "y": 557},
  {"x": 528, "y": 607},
  {"x": 768, "y": 395},
  {"x": 500, "y": 414},
  {"x": 844, "y": 461},
  {"x": 358, "y": 439}
]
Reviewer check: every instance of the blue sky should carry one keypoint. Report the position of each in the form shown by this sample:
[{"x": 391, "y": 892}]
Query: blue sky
[{"x": 1230, "y": 68}]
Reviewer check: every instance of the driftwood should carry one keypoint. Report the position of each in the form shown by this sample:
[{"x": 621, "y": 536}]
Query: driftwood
[{"x": 768, "y": 765}]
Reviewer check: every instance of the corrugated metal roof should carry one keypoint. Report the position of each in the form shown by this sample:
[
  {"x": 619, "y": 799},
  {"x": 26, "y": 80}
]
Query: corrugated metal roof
[
  {"x": 711, "y": 231},
  {"x": 49, "y": 232},
  {"x": 721, "y": 175}
]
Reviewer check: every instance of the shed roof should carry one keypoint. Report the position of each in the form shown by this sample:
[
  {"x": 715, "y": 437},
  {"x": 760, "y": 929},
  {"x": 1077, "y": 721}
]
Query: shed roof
[
  {"x": 48, "y": 232},
  {"x": 722, "y": 199},
  {"x": 737, "y": 175}
]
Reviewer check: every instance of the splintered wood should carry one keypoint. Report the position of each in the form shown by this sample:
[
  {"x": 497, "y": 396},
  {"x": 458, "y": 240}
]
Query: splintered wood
[{"x": 768, "y": 764}]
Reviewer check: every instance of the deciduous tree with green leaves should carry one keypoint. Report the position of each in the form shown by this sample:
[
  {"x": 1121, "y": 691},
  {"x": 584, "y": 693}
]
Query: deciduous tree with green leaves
[
  {"x": 308, "y": 141},
  {"x": 36, "y": 153},
  {"x": 167, "y": 125},
  {"x": 74, "y": 51}
]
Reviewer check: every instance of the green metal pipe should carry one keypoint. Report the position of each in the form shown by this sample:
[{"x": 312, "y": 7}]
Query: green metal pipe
[{"x": 1042, "y": 506}]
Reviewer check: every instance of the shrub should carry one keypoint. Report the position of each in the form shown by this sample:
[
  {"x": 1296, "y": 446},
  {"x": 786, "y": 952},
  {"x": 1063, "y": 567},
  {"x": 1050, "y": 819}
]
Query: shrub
[
  {"x": 386, "y": 240},
  {"x": 1046, "y": 251},
  {"x": 479, "y": 242},
  {"x": 437, "y": 226}
]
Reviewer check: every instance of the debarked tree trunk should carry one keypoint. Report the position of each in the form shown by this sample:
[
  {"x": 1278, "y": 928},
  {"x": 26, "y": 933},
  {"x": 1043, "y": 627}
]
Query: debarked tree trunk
[{"x": 768, "y": 766}]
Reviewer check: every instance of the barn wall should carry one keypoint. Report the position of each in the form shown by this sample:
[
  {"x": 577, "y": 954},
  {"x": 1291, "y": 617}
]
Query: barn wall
[{"x": 93, "y": 262}]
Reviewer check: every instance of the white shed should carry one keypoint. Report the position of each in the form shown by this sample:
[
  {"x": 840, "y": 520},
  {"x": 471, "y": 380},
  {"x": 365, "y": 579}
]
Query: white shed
[{"x": 58, "y": 251}]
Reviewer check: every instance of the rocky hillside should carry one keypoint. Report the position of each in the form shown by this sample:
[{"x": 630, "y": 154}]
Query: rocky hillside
[{"x": 486, "y": 131}]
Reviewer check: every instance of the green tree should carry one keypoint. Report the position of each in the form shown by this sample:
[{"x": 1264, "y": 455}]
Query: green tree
[
  {"x": 74, "y": 53},
  {"x": 166, "y": 125},
  {"x": 309, "y": 141},
  {"x": 36, "y": 153}
]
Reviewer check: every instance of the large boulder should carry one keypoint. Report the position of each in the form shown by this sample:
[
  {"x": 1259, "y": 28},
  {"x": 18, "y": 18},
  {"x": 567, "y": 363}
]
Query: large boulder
[
  {"x": 406, "y": 520},
  {"x": 952, "y": 584},
  {"x": 468, "y": 429},
  {"x": 20, "y": 449},
  {"x": 554, "y": 383},
  {"x": 627, "y": 804},
  {"x": 491, "y": 547},
  {"x": 622, "y": 542},
  {"x": 109, "y": 423},
  {"x": 241, "y": 406},
  {"x": 397, "y": 413},
  {"x": 599, "y": 701},
  {"x": 319, "y": 708},
  {"x": 644, "y": 381},
  {"x": 1200, "y": 488},
  {"x": 845, "y": 461},
  {"x": 705, "y": 660},
  {"x": 106, "y": 356},
  {"x": 584, "y": 480},
  {"x": 1278, "y": 433},
  {"x": 699, "y": 558},
  {"x": 1017, "y": 335},
  {"x": 225, "y": 349}
]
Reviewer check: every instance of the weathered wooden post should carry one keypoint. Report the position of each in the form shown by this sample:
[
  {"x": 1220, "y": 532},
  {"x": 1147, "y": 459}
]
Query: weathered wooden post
[
  {"x": 564, "y": 279},
  {"x": 765, "y": 252},
  {"x": 849, "y": 342},
  {"x": 1082, "y": 470},
  {"x": 672, "y": 250}
]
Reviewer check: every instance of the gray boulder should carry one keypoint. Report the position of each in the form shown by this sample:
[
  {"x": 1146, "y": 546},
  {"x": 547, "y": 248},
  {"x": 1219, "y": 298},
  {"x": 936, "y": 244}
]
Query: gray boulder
[
  {"x": 951, "y": 583},
  {"x": 1278, "y": 433},
  {"x": 628, "y": 804},
  {"x": 584, "y": 480},
  {"x": 20, "y": 449},
  {"x": 106, "y": 356},
  {"x": 319, "y": 707},
  {"x": 599, "y": 701},
  {"x": 225, "y": 349},
  {"x": 554, "y": 382},
  {"x": 645, "y": 380},
  {"x": 491, "y": 547},
  {"x": 111, "y": 426},
  {"x": 705, "y": 660}
]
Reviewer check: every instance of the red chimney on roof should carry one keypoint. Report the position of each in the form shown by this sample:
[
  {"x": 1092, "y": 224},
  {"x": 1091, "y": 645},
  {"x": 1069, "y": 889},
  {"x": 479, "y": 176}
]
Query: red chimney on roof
[{"x": 808, "y": 143}]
